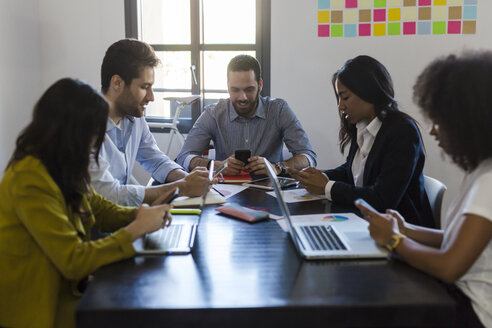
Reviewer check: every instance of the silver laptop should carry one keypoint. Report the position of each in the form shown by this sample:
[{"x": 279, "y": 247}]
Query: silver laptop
[
  {"x": 176, "y": 239},
  {"x": 324, "y": 240}
]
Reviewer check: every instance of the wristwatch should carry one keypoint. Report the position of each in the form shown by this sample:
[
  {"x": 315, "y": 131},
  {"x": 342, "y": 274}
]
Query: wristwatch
[
  {"x": 281, "y": 168},
  {"x": 394, "y": 241}
]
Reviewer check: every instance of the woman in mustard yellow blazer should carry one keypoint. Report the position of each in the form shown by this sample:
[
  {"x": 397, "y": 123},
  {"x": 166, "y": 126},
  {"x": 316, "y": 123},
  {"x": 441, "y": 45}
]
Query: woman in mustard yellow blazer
[{"x": 48, "y": 209}]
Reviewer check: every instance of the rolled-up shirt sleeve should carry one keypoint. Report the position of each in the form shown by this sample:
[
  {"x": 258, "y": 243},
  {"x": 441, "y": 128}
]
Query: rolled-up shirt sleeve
[
  {"x": 295, "y": 138},
  {"x": 105, "y": 184},
  {"x": 152, "y": 159},
  {"x": 198, "y": 139}
]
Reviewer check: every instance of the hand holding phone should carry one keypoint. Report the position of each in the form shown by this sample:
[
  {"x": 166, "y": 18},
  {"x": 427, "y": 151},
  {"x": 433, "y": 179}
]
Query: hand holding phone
[
  {"x": 365, "y": 208},
  {"x": 242, "y": 155}
]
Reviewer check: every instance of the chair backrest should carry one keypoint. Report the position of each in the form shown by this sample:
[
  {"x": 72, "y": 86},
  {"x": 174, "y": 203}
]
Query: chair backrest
[{"x": 435, "y": 191}]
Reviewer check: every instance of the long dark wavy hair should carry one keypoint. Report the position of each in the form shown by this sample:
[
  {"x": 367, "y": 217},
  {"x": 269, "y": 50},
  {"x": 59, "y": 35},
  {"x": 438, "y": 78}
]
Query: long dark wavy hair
[
  {"x": 68, "y": 120},
  {"x": 369, "y": 80},
  {"x": 455, "y": 93}
]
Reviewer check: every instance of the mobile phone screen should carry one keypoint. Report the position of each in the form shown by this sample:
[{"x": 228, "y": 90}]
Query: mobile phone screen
[{"x": 242, "y": 155}]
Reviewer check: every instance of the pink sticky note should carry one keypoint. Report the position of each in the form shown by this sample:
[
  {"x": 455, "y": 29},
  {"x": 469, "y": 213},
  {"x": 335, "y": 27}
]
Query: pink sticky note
[
  {"x": 424, "y": 2},
  {"x": 454, "y": 27},
  {"x": 323, "y": 30},
  {"x": 409, "y": 28},
  {"x": 379, "y": 15},
  {"x": 350, "y": 3},
  {"x": 364, "y": 29}
]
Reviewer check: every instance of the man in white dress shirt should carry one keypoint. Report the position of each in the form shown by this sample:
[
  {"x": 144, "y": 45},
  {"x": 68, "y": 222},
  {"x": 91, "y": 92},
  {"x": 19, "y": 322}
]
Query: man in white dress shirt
[{"x": 127, "y": 76}]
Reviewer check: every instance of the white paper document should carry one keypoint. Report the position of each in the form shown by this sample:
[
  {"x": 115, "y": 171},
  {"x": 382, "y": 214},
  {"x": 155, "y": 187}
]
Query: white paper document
[
  {"x": 343, "y": 221},
  {"x": 297, "y": 195},
  {"x": 228, "y": 189},
  {"x": 212, "y": 198}
]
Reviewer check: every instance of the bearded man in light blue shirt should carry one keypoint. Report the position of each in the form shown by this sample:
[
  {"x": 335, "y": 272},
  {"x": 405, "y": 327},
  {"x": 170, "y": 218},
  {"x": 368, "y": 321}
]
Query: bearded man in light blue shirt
[
  {"x": 247, "y": 120},
  {"x": 127, "y": 76}
]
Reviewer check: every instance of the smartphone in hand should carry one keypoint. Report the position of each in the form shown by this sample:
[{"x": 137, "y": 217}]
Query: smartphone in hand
[
  {"x": 364, "y": 206},
  {"x": 243, "y": 155}
]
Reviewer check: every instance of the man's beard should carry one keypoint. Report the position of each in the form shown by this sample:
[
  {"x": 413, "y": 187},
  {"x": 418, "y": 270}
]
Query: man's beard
[
  {"x": 250, "y": 109},
  {"x": 126, "y": 105}
]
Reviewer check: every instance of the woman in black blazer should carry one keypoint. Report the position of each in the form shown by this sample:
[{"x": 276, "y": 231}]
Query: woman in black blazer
[{"x": 386, "y": 156}]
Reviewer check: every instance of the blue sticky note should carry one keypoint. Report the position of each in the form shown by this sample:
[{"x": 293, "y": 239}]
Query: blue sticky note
[
  {"x": 424, "y": 28},
  {"x": 470, "y": 2},
  {"x": 350, "y": 30},
  {"x": 470, "y": 12},
  {"x": 324, "y": 4}
]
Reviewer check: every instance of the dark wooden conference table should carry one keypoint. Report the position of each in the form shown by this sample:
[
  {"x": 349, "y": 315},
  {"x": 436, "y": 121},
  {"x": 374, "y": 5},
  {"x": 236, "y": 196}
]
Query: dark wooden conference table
[{"x": 248, "y": 275}]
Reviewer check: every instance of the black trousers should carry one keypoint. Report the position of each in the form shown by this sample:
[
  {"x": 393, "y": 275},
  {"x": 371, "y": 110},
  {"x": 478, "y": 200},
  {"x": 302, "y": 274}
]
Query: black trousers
[{"x": 465, "y": 315}]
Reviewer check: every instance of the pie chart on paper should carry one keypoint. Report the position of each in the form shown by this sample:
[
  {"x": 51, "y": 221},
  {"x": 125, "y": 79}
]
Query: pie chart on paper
[{"x": 334, "y": 218}]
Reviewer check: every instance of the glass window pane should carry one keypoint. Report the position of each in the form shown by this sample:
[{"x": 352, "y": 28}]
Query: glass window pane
[
  {"x": 165, "y": 108},
  {"x": 213, "y": 97},
  {"x": 166, "y": 21},
  {"x": 215, "y": 68},
  {"x": 174, "y": 71},
  {"x": 229, "y": 21}
]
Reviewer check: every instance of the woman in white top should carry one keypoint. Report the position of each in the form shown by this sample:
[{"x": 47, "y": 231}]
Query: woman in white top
[{"x": 454, "y": 93}]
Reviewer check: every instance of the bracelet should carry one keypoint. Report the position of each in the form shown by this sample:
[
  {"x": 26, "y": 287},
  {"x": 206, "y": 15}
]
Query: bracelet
[
  {"x": 394, "y": 241},
  {"x": 282, "y": 168}
]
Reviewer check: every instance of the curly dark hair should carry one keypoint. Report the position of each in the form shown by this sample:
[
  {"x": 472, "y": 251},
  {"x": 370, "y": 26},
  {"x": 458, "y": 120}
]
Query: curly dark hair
[
  {"x": 69, "y": 118},
  {"x": 369, "y": 80},
  {"x": 126, "y": 58},
  {"x": 455, "y": 93}
]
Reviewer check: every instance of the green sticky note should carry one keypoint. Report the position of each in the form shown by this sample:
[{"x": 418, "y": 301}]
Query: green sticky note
[
  {"x": 438, "y": 27},
  {"x": 394, "y": 29},
  {"x": 337, "y": 30},
  {"x": 379, "y": 3}
]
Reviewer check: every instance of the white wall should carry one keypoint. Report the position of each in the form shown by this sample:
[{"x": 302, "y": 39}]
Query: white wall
[
  {"x": 45, "y": 40},
  {"x": 75, "y": 36},
  {"x": 20, "y": 70},
  {"x": 302, "y": 65}
]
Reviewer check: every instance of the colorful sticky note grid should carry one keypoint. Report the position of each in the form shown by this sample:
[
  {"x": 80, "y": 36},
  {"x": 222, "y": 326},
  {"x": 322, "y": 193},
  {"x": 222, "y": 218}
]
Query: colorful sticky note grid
[{"x": 353, "y": 18}]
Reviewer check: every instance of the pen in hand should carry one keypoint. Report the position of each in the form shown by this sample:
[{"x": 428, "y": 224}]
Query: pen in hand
[{"x": 218, "y": 192}]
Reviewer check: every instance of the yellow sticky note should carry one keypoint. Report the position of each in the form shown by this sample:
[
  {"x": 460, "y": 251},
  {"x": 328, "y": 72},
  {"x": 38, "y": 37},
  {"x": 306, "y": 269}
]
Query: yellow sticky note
[
  {"x": 394, "y": 14},
  {"x": 439, "y": 2},
  {"x": 439, "y": 13},
  {"x": 394, "y": 3},
  {"x": 323, "y": 16},
  {"x": 365, "y": 3},
  {"x": 337, "y": 4},
  {"x": 409, "y": 14},
  {"x": 455, "y": 2},
  {"x": 379, "y": 29},
  {"x": 350, "y": 16}
]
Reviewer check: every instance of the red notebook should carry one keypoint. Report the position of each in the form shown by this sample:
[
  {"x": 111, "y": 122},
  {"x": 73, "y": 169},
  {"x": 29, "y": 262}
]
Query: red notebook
[{"x": 240, "y": 178}]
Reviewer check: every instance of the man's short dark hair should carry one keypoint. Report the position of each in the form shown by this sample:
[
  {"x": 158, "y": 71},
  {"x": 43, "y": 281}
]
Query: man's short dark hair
[
  {"x": 126, "y": 58},
  {"x": 244, "y": 63}
]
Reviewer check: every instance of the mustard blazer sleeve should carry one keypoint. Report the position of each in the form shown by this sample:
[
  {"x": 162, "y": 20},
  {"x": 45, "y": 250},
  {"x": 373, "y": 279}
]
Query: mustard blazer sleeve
[
  {"x": 109, "y": 216},
  {"x": 40, "y": 206}
]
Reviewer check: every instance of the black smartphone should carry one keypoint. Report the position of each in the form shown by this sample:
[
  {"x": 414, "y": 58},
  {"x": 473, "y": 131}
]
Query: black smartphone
[
  {"x": 171, "y": 196},
  {"x": 243, "y": 155}
]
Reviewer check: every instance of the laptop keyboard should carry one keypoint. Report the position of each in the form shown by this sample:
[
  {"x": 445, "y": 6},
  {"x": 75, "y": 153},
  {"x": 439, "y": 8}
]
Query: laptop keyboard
[
  {"x": 168, "y": 236},
  {"x": 322, "y": 238}
]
